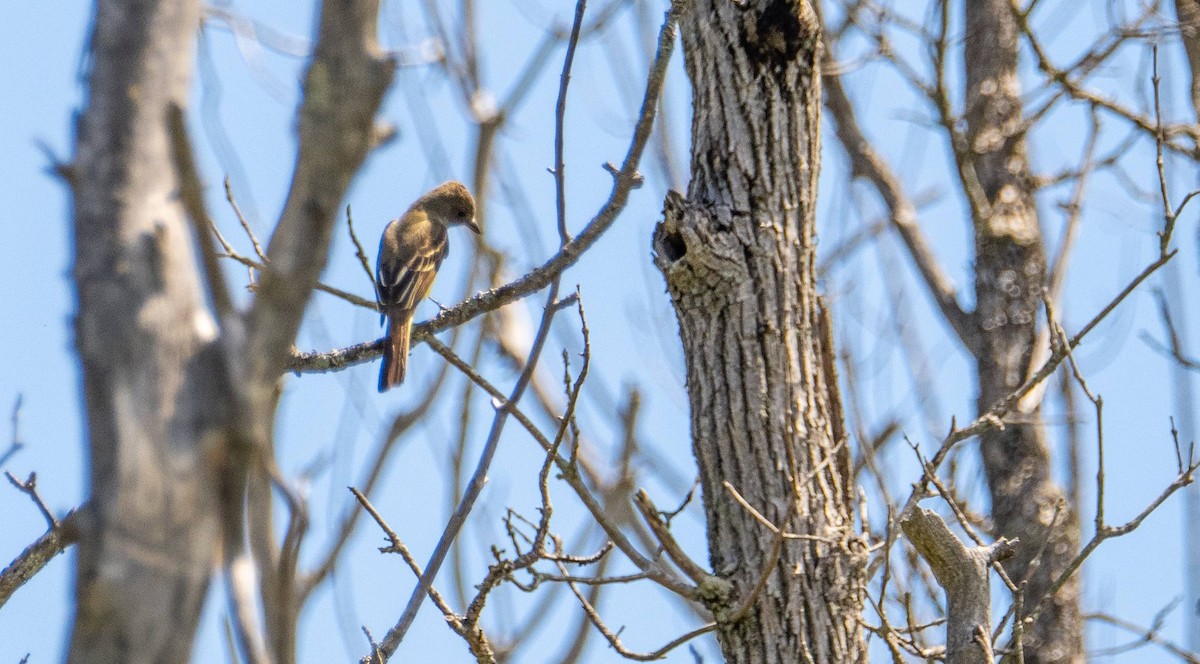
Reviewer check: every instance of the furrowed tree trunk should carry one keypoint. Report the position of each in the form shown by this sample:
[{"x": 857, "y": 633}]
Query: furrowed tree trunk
[
  {"x": 738, "y": 256},
  {"x": 1010, "y": 271},
  {"x": 150, "y": 531}
]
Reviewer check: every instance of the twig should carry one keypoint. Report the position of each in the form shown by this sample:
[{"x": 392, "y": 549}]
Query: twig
[
  {"x": 358, "y": 251},
  {"x": 867, "y": 164},
  {"x": 570, "y": 474},
  {"x": 237, "y": 211},
  {"x": 37, "y": 555},
  {"x": 397, "y": 546},
  {"x": 1057, "y": 275},
  {"x": 1175, "y": 349},
  {"x": 1186, "y": 477},
  {"x": 17, "y": 444},
  {"x": 1146, "y": 636},
  {"x": 324, "y": 288},
  {"x": 615, "y": 641},
  {"x": 543, "y": 275},
  {"x": 29, "y": 488},
  {"x": 401, "y": 423},
  {"x": 650, "y": 513},
  {"x": 475, "y": 486},
  {"x": 560, "y": 112}
]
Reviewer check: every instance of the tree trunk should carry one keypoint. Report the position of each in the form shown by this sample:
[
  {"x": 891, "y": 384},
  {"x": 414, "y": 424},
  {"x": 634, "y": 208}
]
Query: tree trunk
[
  {"x": 1010, "y": 271},
  {"x": 738, "y": 256},
  {"x": 151, "y": 527}
]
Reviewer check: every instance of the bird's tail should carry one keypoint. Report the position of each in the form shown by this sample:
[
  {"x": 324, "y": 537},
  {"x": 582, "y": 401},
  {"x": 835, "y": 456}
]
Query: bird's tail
[{"x": 395, "y": 352}]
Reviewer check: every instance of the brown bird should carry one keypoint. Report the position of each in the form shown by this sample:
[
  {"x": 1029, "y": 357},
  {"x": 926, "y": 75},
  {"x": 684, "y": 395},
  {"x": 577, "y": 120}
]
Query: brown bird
[{"x": 410, "y": 253}]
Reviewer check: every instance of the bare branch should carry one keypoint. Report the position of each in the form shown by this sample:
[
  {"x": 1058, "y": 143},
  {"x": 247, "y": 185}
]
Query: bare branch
[
  {"x": 963, "y": 574},
  {"x": 29, "y": 488},
  {"x": 567, "y": 255},
  {"x": 867, "y": 164},
  {"x": 36, "y": 556},
  {"x": 358, "y": 249},
  {"x": 237, "y": 211},
  {"x": 342, "y": 92},
  {"x": 16, "y": 443},
  {"x": 1153, "y": 635}
]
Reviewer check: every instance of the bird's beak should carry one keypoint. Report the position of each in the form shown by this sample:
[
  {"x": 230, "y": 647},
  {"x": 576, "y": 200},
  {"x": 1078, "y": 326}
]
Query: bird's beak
[{"x": 473, "y": 225}]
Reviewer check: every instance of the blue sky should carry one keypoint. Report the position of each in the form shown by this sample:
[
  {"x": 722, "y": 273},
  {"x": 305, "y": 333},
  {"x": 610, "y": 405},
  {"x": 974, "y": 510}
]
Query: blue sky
[{"x": 242, "y": 117}]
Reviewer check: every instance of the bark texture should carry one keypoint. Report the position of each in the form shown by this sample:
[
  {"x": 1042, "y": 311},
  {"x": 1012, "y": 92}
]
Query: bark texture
[
  {"x": 180, "y": 415},
  {"x": 737, "y": 254},
  {"x": 150, "y": 532},
  {"x": 1010, "y": 273},
  {"x": 964, "y": 575}
]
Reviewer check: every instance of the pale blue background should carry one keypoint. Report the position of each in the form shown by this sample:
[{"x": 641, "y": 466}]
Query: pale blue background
[{"x": 243, "y": 119}]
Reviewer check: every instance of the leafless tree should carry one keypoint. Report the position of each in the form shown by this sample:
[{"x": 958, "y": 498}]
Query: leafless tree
[{"x": 183, "y": 379}]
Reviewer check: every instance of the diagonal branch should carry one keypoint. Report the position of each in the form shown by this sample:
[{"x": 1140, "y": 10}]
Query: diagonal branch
[
  {"x": 342, "y": 92},
  {"x": 624, "y": 180},
  {"x": 866, "y": 163}
]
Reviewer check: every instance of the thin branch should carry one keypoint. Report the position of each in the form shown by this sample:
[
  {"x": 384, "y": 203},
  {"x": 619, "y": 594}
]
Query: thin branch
[
  {"x": 401, "y": 423},
  {"x": 615, "y": 641},
  {"x": 1186, "y": 477},
  {"x": 662, "y": 532},
  {"x": 324, "y": 288},
  {"x": 1057, "y": 276},
  {"x": 568, "y": 254},
  {"x": 29, "y": 488},
  {"x": 475, "y": 486},
  {"x": 358, "y": 250},
  {"x": 1146, "y": 636},
  {"x": 560, "y": 113},
  {"x": 16, "y": 443},
  {"x": 397, "y": 546},
  {"x": 237, "y": 211},
  {"x": 1073, "y": 88},
  {"x": 867, "y": 164},
  {"x": 36, "y": 556},
  {"x": 570, "y": 474}
]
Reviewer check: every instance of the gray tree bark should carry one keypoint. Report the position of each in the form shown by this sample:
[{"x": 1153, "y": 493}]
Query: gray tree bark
[
  {"x": 1010, "y": 269},
  {"x": 738, "y": 256},
  {"x": 151, "y": 529},
  {"x": 179, "y": 410},
  {"x": 965, "y": 576}
]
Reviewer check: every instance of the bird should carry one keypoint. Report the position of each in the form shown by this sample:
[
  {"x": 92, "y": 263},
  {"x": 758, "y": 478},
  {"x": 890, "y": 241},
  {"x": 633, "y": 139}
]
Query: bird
[{"x": 411, "y": 250}]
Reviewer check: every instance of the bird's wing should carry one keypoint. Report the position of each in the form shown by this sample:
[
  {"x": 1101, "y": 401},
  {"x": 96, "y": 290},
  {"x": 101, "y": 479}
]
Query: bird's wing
[{"x": 408, "y": 276}]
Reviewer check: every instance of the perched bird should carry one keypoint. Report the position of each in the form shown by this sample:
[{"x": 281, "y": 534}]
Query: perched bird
[{"x": 410, "y": 253}]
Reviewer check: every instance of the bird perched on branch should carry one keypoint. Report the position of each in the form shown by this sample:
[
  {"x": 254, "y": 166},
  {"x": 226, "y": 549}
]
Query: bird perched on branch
[{"x": 410, "y": 253}]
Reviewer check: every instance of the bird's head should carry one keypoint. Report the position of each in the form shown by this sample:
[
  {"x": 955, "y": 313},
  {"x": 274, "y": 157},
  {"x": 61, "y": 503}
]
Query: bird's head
[{"x": 452, "y": 204}]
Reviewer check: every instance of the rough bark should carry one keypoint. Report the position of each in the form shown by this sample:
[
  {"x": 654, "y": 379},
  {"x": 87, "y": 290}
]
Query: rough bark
[
  {"x": 151, "y": 529},
  {"x": 737, "y": 254},
  {"x": 1010, "y": 269}
]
